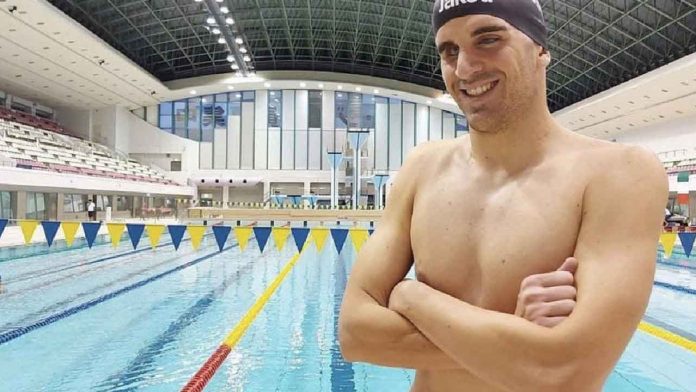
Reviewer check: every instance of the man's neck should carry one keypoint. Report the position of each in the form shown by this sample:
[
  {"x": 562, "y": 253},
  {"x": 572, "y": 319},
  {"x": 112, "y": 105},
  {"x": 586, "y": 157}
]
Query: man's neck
[{"x": 516, "y": 147}]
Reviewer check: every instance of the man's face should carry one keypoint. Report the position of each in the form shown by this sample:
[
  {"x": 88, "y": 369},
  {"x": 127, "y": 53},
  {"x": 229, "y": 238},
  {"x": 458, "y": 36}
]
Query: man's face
[{"x": 493, "y": 71}]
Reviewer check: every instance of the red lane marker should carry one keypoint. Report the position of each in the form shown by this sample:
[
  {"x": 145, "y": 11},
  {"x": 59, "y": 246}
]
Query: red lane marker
[{"x": 207, "y": 371}]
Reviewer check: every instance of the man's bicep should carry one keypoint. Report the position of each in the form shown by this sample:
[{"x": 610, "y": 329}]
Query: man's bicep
[{"x": 616, "y": 252}]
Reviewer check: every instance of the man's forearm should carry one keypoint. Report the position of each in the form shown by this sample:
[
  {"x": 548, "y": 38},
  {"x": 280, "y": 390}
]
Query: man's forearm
[
  {"x": 499, "y": 348},
  {"x": 378, "y": 335}
]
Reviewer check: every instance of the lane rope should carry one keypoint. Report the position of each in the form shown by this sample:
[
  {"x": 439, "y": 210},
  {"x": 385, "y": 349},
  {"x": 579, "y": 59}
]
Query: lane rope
[{"x": 199, "y": 380}]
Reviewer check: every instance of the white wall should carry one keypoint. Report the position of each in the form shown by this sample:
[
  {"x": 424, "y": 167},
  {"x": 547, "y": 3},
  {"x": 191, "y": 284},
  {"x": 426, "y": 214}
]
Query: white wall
[
  {"x": 78, "y": 122},
  {"x": 673, "y": 135},
  {"x": 145, "y": 138}
]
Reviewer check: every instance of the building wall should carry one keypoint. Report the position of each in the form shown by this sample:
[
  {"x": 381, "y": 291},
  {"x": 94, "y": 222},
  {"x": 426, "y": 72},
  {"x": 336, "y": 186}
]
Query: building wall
[{"x": 271, "y": 129}]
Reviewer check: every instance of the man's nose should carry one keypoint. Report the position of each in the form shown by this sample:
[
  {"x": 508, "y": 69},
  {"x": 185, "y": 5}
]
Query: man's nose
[{"x": 467, "y": 66}]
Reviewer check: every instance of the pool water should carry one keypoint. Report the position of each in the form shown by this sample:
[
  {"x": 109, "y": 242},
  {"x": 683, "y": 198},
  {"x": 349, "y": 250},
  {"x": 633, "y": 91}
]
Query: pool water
[{"x": 117, "y": 320}]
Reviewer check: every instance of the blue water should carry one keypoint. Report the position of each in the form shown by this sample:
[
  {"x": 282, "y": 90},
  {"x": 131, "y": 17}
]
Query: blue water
[{"x": 116, "y": 320}]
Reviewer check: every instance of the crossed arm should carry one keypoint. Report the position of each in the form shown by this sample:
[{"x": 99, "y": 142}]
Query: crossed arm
[{"x": 412, "y": 325}]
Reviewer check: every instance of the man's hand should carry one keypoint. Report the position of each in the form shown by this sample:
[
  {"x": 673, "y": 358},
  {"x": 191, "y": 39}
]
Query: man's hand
[{"x": 548, "y": 299}]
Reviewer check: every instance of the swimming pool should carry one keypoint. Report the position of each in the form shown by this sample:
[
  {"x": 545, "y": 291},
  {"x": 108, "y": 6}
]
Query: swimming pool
[{"x": 121, "y": 320}]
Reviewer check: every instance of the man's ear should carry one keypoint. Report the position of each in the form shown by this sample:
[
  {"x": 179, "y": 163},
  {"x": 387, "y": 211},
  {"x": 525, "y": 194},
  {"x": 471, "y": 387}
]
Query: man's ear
[{"x": 545, "y": 56}]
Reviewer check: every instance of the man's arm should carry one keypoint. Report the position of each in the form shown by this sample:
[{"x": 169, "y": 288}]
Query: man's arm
[
  {"x": 368, "y": 330},
  {"x": 616, "y": 256}
]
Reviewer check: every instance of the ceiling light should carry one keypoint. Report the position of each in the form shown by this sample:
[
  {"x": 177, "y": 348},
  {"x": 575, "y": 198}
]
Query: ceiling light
[
  {"x": 358, "y": 89},
  {"x": 234, "y": 66},
  {"x": 216, "y": 31},
  {"x": 340, "y": 87},
  {"x": 303, "y": 84},
  {"x": 239, "y": 40},
  {"x": 239, "y": 95},
  {"x": 192, "y": 92},
  {"x": 267, "y": 85},
  {"x": 198, "y": 1},
  {"x": 321, "y": 85},
  {"x": 229, "y": 21},
  {"x": 210, "y": 20},
  {"x": 243, "y": 49},
  {"x": 429, "y": 102},
  {"x": 375, "y": 91},
  {"x": 224, "y": 10},
  {"x": 247, "y": 58},
  {"x": 221, "y": 40},
  {"x": 203, "y": 100},
  {"x": 230, "y": 87},
  {"x": 230, "y": 58},
  {"x": 219, "y": 1}
]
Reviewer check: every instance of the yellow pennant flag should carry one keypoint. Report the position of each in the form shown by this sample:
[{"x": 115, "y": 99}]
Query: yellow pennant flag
[
  {"x": 358, "y": 237},
  {"x": 667, "y": 240},
  {"x": 280, "y": 236},
  {"x": 115, "y": 232},
  {"x": 243, "y": 234},
  {"x": 69, "y": 230},
  {"x": 154, "y": 232},
  {"x": 196, "y": 234},
  {"x": 319, "y": 235},
  {"x": 28, "y": 228}
]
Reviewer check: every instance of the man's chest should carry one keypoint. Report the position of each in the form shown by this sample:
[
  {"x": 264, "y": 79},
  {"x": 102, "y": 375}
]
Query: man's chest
[{"x": 477, "y": 243}]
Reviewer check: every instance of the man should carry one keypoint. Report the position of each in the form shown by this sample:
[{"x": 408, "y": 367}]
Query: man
[
  {"x": 91, "y": 210},
  {"x": 513, "y": 199}
]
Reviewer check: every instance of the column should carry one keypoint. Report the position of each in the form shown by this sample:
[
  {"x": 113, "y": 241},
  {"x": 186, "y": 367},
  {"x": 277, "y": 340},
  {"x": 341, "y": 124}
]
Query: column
[{"x": 226, "y": 196}]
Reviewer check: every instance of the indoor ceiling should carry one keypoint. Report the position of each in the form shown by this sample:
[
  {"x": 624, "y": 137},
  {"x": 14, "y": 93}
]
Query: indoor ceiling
[{"x": 595, "y": 44}]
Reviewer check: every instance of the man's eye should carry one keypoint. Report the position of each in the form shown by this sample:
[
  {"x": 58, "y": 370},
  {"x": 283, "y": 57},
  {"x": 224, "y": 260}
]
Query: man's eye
[
  {"x": 452, "y": 51},
  {"x": 488, "y": 41}
]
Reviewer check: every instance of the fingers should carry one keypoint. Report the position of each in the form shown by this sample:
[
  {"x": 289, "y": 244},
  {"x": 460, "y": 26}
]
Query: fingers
[
  {"x": 550, "y": 279},
  {"x": 549, "y": 322},
  {"x": 570, "y": 265},
  {"x": 562, "y": 308}
]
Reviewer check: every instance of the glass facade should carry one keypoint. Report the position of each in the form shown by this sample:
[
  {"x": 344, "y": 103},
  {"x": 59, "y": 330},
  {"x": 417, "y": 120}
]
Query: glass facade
[
  {"x": 6, "y": 210},
  {"x": 293, "y": 129},
  {"x": 41, "y": 206}
]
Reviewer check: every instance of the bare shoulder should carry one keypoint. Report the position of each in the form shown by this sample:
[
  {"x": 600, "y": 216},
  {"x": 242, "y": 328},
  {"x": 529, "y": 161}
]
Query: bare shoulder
[
  {"x": 623, "y": 168},
  {"x": 430, "y": 155}
]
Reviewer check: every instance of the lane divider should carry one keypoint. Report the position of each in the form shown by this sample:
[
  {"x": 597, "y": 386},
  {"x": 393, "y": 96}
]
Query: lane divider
[
  {"x": 207, "y": 371},
  {"x": 19, "y": 331},
  {"x": 668, "y": 336}
]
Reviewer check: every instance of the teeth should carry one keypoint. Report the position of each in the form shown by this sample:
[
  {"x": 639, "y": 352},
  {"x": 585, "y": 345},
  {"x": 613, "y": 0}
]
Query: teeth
[{"x": 479, "y": 90}]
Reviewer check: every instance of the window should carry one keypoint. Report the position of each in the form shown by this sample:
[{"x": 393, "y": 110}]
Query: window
[
  {"x": 39, "y": 205},
  {"x": 20, "y": 107},
  {"x": 6, "y": 205},
  {"x": 165, "y": 115},
  {"x": 275, "y": 108},
  {"x": 354, "y": 106},
  {"x": 460, "y": 124},
  {"x": 124, "y": 203},
  {"x": 102, "y": 202},
  {"x": 341, "y": 108},
  {"x": 194, "y": 118},
  {"x": 314, "y": 108},
  {"x": 367, "y": 116},
  {"x": 180, "y": 118},
  {"x": 220, "y": 111},
  {"x": 74, "y": 203},
  {"x": 248, "y": 96}
]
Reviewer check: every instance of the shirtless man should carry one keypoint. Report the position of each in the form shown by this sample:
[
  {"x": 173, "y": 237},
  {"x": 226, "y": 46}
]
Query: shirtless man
[{"x": 478, "y": 214}]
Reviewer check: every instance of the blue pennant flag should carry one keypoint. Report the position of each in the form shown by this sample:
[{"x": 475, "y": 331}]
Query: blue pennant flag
[
  {"x": 135, "y": 232},
  {"x": 339, "y": 237},
  {"x": 221, "y": 233},
  {"x": 177, "y": 233},
  {"x": 262, "y": 234},
  {"x": 687, "y": 241},
  {"x": 300, "y": 235},
  {"x": 50, "y": 229},
  {"x": 371, "y": 231},
  {"x": 3, "y": 223},
  {"x": 91, "y": 229}
]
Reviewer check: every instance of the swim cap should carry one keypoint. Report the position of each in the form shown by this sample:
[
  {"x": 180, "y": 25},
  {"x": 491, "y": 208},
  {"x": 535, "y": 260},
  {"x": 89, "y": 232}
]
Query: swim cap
[{"x": 525, "y": 15}]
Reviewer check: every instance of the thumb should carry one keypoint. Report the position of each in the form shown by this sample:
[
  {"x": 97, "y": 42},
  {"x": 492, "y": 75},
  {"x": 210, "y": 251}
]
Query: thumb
[{"x": 570, "y": 265}]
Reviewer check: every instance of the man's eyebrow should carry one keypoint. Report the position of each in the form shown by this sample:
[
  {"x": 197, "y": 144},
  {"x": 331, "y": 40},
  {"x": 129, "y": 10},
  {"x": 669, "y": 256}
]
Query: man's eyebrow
[
  {"x": 488, "y": 29},
  {"x": 441, "y": 47}
]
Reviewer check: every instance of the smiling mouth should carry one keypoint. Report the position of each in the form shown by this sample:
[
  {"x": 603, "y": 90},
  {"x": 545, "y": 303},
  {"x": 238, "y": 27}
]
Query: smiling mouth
[{"x": 480, "y": 90}]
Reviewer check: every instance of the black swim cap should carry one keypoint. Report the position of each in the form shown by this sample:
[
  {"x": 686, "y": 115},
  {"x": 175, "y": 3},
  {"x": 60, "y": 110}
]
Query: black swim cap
[{"x": 525, "y": 15}]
